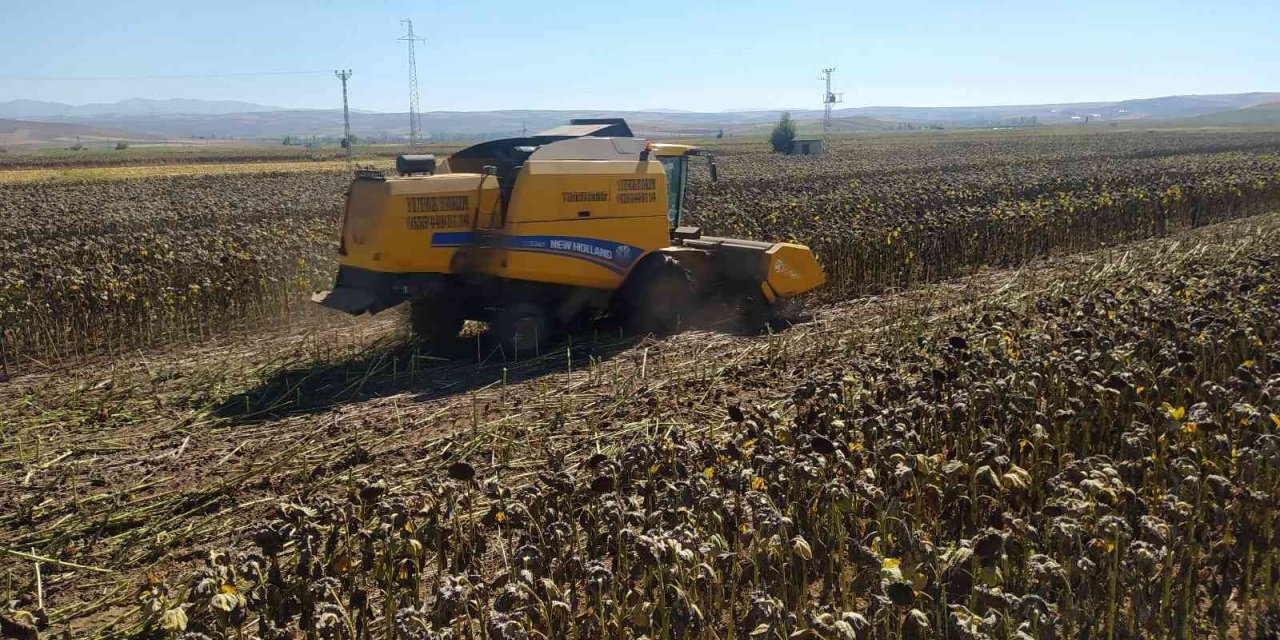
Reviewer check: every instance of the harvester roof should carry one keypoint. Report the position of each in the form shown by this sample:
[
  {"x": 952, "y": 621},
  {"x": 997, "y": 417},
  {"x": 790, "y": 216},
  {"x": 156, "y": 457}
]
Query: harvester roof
[
  {"x": 595, "y": 127},
  {"x": 666, "y": 150},
  {"x": 508, "y": 153}
]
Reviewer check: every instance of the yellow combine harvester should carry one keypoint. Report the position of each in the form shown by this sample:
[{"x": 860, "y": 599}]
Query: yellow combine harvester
[{"x": 531, "y": 234}]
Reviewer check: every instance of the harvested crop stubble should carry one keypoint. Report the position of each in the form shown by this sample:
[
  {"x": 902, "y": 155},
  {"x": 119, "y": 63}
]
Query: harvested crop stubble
[{"x": 1084, "y": 449}]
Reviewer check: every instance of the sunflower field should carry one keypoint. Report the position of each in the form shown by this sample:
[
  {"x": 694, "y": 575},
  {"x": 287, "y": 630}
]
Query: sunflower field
[
  {"x": 1039, "y": 399},
  {"x": 111, "y": 264}
]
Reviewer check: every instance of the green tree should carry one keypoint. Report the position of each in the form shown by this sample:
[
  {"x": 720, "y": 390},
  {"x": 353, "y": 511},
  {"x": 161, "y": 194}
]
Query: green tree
[{"x": 783, "y": 133}]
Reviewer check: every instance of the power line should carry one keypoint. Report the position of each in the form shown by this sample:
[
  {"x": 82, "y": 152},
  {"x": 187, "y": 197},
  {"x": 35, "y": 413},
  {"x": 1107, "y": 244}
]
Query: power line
[
  {"x": 346, "y": 114},
  {"x": 415, "y": 121},
  {"x": 828, "y": 100}
]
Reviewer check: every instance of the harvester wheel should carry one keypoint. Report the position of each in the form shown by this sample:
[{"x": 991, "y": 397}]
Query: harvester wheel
[
  {"x": 436, "y": 320},
  {"x": 758, "y": 315},
  {"x": 658, "y": 296},
  {"x": 521, "y": 329}
]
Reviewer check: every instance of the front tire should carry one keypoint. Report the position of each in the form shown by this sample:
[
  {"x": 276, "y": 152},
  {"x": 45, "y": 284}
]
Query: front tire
[
  {"x": 658, "y": 296},
  {"x": 520, "y": 329},
  {"x": 435, "y": 320},
  {"x": 758, "y": 315}
]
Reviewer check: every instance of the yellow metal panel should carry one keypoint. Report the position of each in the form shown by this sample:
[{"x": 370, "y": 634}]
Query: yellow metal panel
[
  {"x": 434, "y": 184},
  {"x": 362, "y": 230},
  {"x": 536, "y": 167},
  {"x": 587, "y": 253},
  {"x": 391, "y": 224},
  {"x": 792, "y": 269},
  {"x": 769, "y": 295},
  {"x": 573, "y": 190}
]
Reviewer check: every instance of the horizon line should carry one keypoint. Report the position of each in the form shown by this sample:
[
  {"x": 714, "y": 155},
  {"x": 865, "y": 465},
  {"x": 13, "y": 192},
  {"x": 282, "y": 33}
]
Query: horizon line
[{"x": 265, "y": 108}]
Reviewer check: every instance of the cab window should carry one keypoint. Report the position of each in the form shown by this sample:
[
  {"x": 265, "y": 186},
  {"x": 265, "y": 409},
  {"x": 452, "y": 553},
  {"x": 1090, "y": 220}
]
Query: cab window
[{"x": 675, "y": 168}]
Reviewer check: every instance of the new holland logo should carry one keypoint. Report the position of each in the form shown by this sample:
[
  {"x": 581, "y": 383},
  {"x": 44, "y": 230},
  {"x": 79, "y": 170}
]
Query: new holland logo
[
  {"x": 622, "y": 255},
  {"x": 785, "y": 269}
]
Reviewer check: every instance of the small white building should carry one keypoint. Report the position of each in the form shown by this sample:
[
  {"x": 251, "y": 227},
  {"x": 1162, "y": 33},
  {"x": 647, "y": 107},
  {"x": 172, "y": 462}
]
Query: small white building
[{"x": 807, "y": 147}]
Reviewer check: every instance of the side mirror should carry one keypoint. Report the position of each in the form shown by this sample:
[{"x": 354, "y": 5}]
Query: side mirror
[{"x": 715, "y": 172}]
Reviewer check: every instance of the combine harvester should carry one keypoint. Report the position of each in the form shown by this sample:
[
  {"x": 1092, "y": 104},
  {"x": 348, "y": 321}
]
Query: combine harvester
[{"x": 534, "y": 234}]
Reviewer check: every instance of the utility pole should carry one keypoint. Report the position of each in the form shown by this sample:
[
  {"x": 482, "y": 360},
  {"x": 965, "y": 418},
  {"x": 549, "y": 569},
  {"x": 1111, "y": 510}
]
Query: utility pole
[
  {"x": 346, "y": 114},
  {"x": 828, "y": 99},
  {"x": 415, "y": 123}
]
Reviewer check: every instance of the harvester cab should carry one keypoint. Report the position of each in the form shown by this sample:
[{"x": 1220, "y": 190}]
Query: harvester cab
[{"x": 532, "y": 234}]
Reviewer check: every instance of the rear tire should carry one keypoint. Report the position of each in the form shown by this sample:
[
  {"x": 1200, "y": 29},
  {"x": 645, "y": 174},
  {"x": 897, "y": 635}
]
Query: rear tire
[
  {"x": 657, "y": 297},
  {"x": 521, "y": 329},
  {"x": 436, "y": 320}
]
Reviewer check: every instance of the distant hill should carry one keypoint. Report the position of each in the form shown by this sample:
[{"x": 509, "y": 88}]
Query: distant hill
[
  {"x": 328, "y": 122},
  {"x": 131, "y": 106},
  {"x": 20, "y": 133},
  {"x": 1190, "y": 106},
  {"x": 185, "y": 119},
  {"x": 439, "y": 124},
  {"x": 1258, "y": 115},
  {"x": 1139, "y": 109}
]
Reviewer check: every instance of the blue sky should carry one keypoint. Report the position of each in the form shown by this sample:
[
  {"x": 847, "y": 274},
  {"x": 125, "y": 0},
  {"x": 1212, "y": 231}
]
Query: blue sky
[{"x": 677, "y": 54}]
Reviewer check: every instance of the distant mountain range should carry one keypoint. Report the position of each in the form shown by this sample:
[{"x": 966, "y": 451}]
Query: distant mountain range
[
  {"x": 35, "y": 109},
  {"x": 185, "y": 119}
]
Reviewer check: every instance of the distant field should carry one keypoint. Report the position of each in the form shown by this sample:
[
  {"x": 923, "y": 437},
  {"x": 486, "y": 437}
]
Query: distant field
[
  {"x": 22, "y": 134},
  {"x": 199, "y": 153},
  {"x": 124, "y": 172},
  {"x": 139, "y": 171}
]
